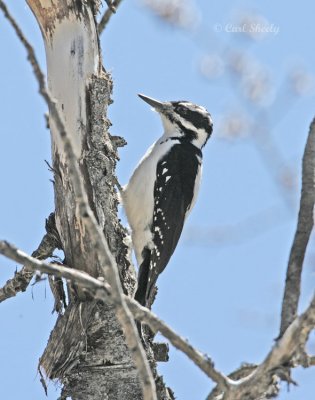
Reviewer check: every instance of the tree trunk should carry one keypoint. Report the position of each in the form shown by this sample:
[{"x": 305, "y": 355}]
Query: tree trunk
[{"x": 86, "y": 350}]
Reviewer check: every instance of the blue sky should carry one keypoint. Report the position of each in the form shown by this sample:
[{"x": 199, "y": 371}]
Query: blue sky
[{"x": 223, "y": 287}]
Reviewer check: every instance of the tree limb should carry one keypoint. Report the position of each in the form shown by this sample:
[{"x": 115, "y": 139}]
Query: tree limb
[
  {"x": 103, "y": 291},
  {"x": 281, "y": 354},
  {"x": 257, "y": 380},
  {"x": 303, "y": 231},
  {"x": 96, "y": 235},
  {"x": 22, "y": 278},
  {"x": 203, "y": 361},
  {"x": 107, "y": 15},
  {"x": 294, "y": 331}
]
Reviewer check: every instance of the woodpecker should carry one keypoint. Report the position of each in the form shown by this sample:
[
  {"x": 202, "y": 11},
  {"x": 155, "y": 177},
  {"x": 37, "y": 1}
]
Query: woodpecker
[{"x": 163, "y": 188}]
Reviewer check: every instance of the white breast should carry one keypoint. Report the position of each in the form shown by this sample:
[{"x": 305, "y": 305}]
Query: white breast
[{"x": 138, "y": 198}]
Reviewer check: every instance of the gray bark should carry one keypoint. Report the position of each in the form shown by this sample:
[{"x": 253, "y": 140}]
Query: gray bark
[{"x": 86, "y": 350}]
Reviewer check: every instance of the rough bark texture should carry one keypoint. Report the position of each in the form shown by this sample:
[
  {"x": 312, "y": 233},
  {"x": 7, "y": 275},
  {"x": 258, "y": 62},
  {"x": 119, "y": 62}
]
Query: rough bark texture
[
  {"x": 77, "y": 352},
  {"x": 100, "y": 156},
  {"x": 86, "y": 350},
  {"x": 22, "y": 278},
  {"x": 105, "y": 370}
]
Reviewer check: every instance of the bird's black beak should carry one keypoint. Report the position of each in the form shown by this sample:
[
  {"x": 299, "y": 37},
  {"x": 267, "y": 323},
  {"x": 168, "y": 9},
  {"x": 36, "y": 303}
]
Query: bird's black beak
[{"x": 157, "y": 105}]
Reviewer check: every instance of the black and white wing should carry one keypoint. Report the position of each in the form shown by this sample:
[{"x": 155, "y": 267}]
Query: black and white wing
[{"x": 174, "y": 192}]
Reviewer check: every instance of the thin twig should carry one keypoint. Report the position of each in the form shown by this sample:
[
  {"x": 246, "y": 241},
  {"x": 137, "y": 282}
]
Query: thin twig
[
  {"x": 96, "y": 235},
  {"x": 303, "y": 231},
  {"x": 203, "y": 361},
  {"x": 107, "y": 15},
  {"x": 103, "y": 292},
  {"x": 61, "y": 271}
]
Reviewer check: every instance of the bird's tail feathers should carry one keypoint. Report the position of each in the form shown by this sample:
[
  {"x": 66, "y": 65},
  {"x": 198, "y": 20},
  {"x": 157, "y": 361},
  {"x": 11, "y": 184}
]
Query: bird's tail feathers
[{"x": 141, "y": 293}]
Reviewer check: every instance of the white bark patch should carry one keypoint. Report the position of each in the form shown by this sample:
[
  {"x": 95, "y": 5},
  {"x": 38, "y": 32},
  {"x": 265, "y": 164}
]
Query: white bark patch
[{"x": 71, "y": 61}]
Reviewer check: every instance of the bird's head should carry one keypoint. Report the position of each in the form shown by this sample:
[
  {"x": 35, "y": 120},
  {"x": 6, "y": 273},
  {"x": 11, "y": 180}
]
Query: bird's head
[{"x": 183, "y": 119}]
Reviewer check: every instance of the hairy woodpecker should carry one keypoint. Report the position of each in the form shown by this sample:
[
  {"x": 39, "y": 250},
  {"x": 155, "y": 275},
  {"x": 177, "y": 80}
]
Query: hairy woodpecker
[{"x": 163, "y": 188}]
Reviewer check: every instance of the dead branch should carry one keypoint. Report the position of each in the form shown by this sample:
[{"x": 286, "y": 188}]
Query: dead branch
[
  {"x": 303, "y": 231},
  {"x": 257, "y": 380},
  {"x": 280, "y": 356},
  {"x": 107, "y": 15},
  {"x": 102, "y": 291},
  {"x": 294, "y": 331}
]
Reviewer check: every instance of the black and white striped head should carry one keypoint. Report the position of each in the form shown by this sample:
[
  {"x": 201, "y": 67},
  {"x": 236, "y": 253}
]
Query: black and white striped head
[{"x": 184, "y": 119}]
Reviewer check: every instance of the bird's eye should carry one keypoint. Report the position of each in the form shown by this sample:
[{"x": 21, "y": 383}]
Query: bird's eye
[{"x": 182, "y": 110}]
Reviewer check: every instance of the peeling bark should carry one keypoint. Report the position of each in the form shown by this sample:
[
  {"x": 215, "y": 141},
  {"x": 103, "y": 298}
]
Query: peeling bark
[{"x": 86, "y": 350}]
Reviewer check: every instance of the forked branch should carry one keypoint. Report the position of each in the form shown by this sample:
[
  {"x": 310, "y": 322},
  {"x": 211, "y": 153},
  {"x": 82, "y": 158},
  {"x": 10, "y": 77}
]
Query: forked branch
[{"x": 258, "y": 380}]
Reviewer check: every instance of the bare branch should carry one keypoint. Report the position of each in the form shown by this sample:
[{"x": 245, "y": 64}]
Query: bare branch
[
  {"x": 103, "y": 292},
  {"x": 257, "y": 380},
  {"x": 303, "y": 231},
  {"x": 203, "y": 361},
  {"x": 84, "y": 279},
  {"x": 294, "y": 331},
  {"x": 107, "y": 15},
  {"x": 111, "y": 5},
  {"x": 96, "y": 235},
  {"x": 261, "y": 381},
  {"x": 244, "y": 370},
  {"x": 22, "y": 278},
  {"x": 280, "y": 355}
]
